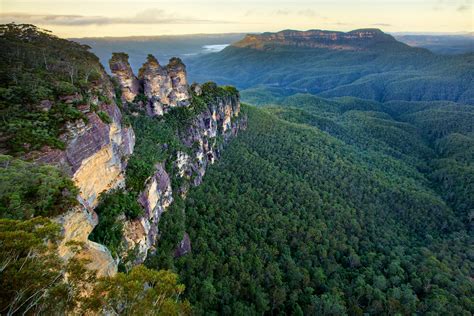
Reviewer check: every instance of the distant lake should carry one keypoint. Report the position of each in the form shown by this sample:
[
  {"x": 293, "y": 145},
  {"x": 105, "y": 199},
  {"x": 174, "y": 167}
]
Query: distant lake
[{"x": 214, "y": 48}]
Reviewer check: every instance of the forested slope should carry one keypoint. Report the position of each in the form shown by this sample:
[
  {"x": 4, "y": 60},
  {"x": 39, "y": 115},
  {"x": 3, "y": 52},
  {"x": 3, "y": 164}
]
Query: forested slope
[
  {"x": 382, "y": 69},
  {"x": 337, "y": 208}
]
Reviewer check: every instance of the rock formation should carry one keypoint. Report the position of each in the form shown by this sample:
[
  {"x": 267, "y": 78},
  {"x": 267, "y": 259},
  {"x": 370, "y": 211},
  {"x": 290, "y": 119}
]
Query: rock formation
[
  {"x": 123, "y": 72},
  {"x": 217, "y": 121},
  {"x": 163, "y": 86},
  {"x": 97, "y": 151},
  {"x": 353, "y": 40},
  {"x": 177, "y": 73}
]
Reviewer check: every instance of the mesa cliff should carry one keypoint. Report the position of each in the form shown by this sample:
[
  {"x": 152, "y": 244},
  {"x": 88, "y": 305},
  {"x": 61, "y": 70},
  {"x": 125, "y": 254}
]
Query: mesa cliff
[{"x": 354, "y": 40}]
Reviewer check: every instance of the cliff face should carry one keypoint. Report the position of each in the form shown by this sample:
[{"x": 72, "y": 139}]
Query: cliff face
[
  {"x": 123, "y": 72},
  {"x": 97, "y": 152},
  {"x": 204, "y": 138},
  {"x": 353, "y": 40},
  {"x": 95, "y": 157},
  {"x": 204, "y": 135}
]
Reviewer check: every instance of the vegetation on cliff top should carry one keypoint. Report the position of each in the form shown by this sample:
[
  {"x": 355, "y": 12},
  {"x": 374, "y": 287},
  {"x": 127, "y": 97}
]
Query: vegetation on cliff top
[
  {"x": 157, "y": 141},
  {"x": 46, "y": 82},
  {"x": 383, "y": 73},
  {"x": 28, "y": 190},
  {"x": 35, "y": 280},
  {"x": 43, "y": 81}
]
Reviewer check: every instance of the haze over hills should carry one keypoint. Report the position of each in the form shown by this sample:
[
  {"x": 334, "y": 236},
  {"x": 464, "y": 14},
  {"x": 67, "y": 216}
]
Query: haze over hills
[
  {"x": 162, "y": 47},
  {"x": 441, "y": 44},
  {"x": 368, "y": 64}
]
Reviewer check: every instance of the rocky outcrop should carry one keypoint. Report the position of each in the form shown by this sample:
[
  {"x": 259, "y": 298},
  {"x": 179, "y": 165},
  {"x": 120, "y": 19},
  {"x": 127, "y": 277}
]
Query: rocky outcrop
[
  {"x": 184, "y": 246},
  {"x": 164, "y": 87},
  {"x": 203, "y": 140},
  {"x": 157, "y": 85},
  {"x": 140, "y": 234},
  {"x": 177, "y": 72},
  {"x": 95, "y": 156},
  {"x": 123, "y": 72},
  {"x": 77, "y": 224}
]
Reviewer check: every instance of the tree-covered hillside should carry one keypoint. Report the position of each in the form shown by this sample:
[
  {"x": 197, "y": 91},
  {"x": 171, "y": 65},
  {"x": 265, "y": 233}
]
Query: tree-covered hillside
[
  {"x": 335, "y": 207},
  {"x": 387, "y": 70}
]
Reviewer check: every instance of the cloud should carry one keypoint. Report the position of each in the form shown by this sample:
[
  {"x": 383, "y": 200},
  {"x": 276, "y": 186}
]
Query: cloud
[
  {"x": 150, "y": 16},
  {"x": 463, "y": 8},
  {"x": 382, "y": 24},
  {"x": 282, "y": 12}
]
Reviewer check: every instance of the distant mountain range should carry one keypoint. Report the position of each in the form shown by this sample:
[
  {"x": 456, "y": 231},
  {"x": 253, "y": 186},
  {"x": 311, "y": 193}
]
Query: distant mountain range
[
  {"x": 365, "y": 63},
  {"x": 361, "y": 39},
  {"x": 441, "y": 44}
]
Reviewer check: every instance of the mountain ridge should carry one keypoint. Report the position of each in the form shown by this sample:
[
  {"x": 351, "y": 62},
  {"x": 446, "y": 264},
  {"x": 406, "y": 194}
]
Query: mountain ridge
[{"x": 359, "y": 39}]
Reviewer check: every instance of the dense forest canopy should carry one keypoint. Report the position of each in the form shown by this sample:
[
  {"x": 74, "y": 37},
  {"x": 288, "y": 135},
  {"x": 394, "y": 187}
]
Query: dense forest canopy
[{"x": 333, "y": 207}]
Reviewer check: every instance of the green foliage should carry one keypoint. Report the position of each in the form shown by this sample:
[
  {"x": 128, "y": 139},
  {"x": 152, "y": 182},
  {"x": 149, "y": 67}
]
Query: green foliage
[
  {"x": 140, "y": 98},
  {"x": 28, "y": 190},
  {"x": 37, "y": 69},
  {"x": 156, "y": 140},
  {"x": 294, "y": 219},
  {"x": 140, "y": 292},
  {"x": 34, "y": 279},
  {"x": 111, "y": 205},
  {"x": 104, "y": 117},
  {"x": 33, "y": 275},
  {"x": 172, "y": 222},
  {"x": 382, "y": 73}
]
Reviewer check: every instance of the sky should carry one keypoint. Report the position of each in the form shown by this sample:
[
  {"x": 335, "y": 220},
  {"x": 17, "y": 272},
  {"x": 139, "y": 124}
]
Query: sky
[{"x": 95, "y": 18}]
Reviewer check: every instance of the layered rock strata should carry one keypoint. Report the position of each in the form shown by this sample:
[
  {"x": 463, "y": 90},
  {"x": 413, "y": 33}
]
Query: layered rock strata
[
  {"x": 164, "y": 87},
  {"x": 95, "y": 157},
  {"x": 123, "y": 72},
  {"x": 203, "y": 138}
]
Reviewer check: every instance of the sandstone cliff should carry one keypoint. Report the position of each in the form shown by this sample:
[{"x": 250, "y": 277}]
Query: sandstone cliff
[
  {"x": 123, "y": 72},
  {"x": 95, "y": 157},
  {"x": 97, "y": 151},
  {"x": 203, "y": 140},
  {"x": 164, "y": 87},
  {"x": 214, "y": 120},
  {"x": 354, "y": 40}
]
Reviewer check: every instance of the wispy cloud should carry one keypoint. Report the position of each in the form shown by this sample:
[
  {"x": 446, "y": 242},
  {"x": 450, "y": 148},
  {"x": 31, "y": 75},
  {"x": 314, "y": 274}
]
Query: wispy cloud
[
  {"x": 382, "y": 24},
  {"x": 463, "y": 8},
  {"x": 150, "y": 16}
]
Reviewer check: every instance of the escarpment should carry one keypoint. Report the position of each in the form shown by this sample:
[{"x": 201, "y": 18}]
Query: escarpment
[
  {"x": 112, "y": 154},
  {"x": 95, "y": 156},
  {"x": 361, "y": 39},
  {"x": 190, "y": 125}
]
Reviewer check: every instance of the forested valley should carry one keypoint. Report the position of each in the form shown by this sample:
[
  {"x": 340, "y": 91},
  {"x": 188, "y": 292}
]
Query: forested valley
[{"x": 332, "y": 207}]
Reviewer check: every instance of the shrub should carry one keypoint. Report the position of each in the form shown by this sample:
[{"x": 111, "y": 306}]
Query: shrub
[
  {"x": 111, "y": 205},
  {"x": 104, "y": 117},
  {"x": 28, "y": 190}
]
